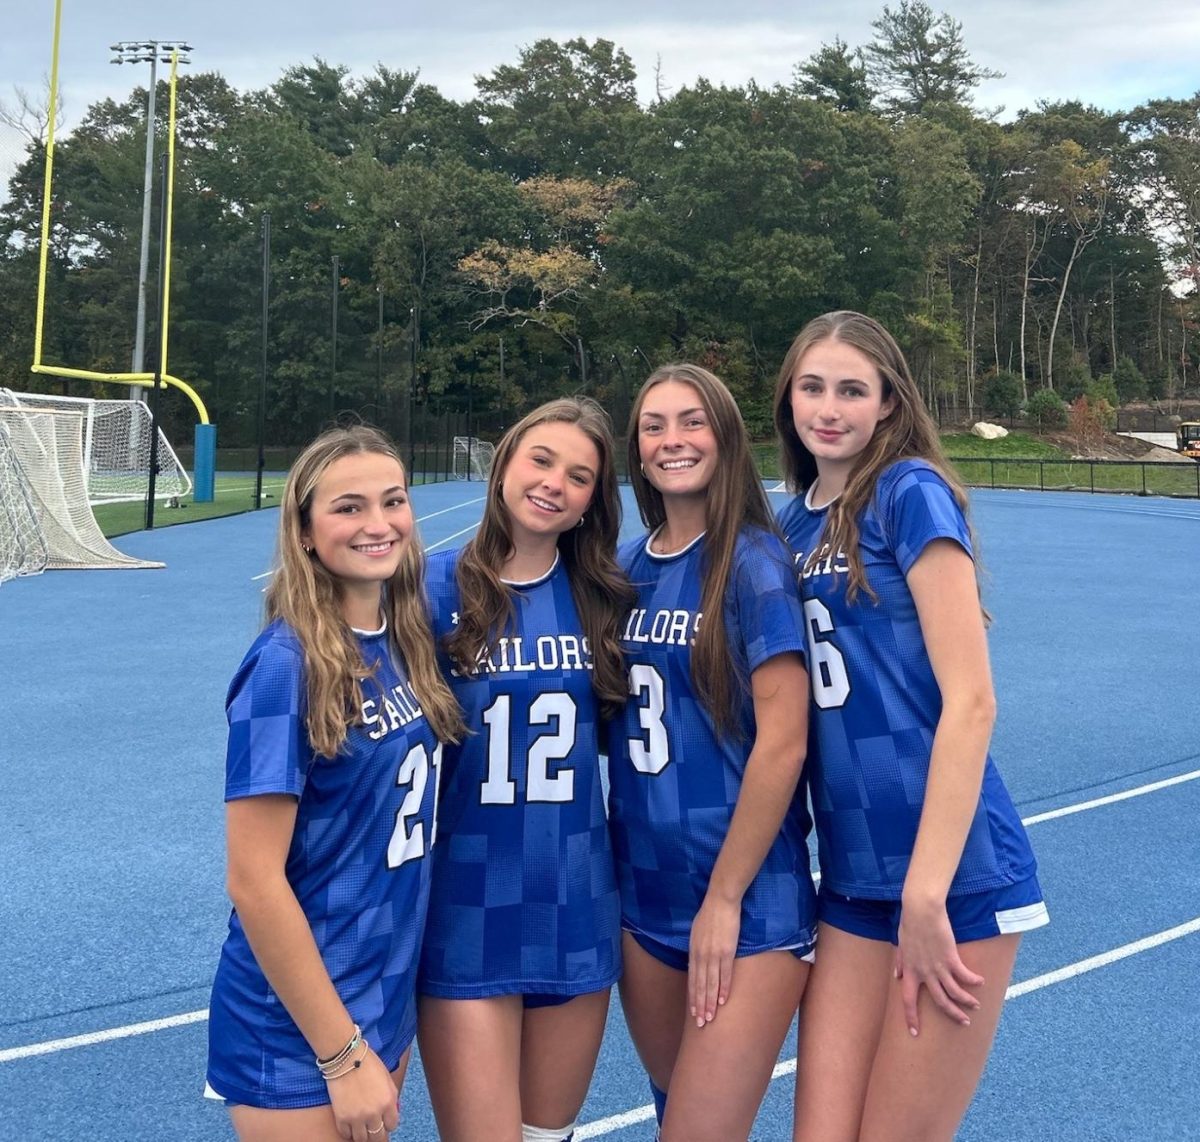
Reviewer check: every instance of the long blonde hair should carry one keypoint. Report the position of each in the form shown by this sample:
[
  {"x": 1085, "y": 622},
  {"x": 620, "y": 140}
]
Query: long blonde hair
[
  {"x": 907, "y": 432},
  {"x": 735, "y": 499},
  {"x": 602, "y": 594},
  {"x": 306, "y": 596}
]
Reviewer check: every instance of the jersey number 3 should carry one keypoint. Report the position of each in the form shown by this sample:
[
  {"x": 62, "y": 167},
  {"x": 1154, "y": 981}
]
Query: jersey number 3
[{"x": 652, "y": 755}]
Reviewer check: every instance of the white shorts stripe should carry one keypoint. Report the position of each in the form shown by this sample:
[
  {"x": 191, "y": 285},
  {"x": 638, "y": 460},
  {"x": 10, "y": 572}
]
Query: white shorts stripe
[{"x": 1023, "y": 919}]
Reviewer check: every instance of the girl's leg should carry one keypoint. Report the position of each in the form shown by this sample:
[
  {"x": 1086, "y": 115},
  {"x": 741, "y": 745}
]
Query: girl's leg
[
  {"x": 654, "y": 999},
  {"x": 840, "y": 1022},
  {"x": 722, "y": 1069},
  {"x": 471, "y": 1050},
  {"x": 253, "y": 1124},
  {"x": 559, "y": 1046},
  {"x": 921, "y": 1087}
]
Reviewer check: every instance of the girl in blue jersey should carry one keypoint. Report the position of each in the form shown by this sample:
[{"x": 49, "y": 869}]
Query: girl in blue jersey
[
  {"x": 335, "y": 717},
  {"x": 523, "y": 943},
  {"x": 716, "y": 898},
  {"x": 927, "y": 878}
]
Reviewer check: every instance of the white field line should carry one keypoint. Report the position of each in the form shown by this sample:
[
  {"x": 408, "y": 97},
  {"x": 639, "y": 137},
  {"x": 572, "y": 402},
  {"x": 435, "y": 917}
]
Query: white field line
[
  {"x": 420, "y": 519},
  {"x": 52, "y": 1045},
  {"x": 440, "y": 542},
  {"x": 640, "y": 1114},
  {"x": 1103, "y": 959},
  {"x": 1083, "y": 806},
  {"x": 617, "y": 1122}
]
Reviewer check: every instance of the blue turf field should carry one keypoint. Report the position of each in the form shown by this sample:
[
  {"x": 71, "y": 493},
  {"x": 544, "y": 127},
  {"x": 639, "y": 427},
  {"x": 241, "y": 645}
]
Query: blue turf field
[{"x": 111, "y": 769}]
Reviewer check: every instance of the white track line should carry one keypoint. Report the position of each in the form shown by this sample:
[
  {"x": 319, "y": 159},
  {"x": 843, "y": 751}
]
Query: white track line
[
  {"x": 616, "y": 1122},
  {"x": 1103, "y": 959},
  {"x": 420, "y": 519},
  {"x": 435, "y": 546},
  {"x": 457, "y": 507},
  {"x": 52, "y": 1045},
  {"x": 1068, "y": 810}
]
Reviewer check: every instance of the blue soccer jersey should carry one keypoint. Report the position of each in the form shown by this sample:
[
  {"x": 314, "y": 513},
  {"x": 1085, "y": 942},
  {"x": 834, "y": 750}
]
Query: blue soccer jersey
[
  {"x": 674, "y": 779},
  {"x": 876, "y": 702},
  {"x": 357, "y": 864},
  {"x": 524, "y": 895}
]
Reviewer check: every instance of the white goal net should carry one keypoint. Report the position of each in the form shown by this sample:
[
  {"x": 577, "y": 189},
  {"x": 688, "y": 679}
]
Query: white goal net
[
  {"x": 472, "y": 458},
  {"x": 23, "y": 549},
  {"x": 46, "y": 520},
  {"x": 115, "y": 438}
]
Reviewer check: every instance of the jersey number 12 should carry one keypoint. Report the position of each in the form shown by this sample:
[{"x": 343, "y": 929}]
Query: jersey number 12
[{"x": 540, "y": 785}]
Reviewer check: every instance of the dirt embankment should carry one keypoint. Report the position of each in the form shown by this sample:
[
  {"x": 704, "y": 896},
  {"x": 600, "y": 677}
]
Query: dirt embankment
[{"x": 1110, "y": 446}]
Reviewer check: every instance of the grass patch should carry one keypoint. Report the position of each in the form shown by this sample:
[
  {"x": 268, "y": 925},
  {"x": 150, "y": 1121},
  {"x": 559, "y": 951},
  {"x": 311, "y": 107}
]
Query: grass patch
[
  {"x": 232, "y": 495},
  {"x": 1152, "y": 479},
  {"x": 1016, "y": 444}
]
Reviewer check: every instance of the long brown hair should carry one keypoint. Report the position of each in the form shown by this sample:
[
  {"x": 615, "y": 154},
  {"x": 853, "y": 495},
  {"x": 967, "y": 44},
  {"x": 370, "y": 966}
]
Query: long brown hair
[
  {"x": 602, "y": 594},
  {"x": 735, "y": 499},
  {"x": 306, "y": 596},
  {"x": 907, "y": 432}
]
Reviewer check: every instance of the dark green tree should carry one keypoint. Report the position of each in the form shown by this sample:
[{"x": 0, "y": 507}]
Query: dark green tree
[{"x": 918, "y": 60}]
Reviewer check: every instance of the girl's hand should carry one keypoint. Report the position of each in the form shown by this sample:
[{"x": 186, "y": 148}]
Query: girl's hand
[
  {"x": 927, "y": 956},
  {"x": 711, "y": 950},
  {"x": 364, "y": 1102}
]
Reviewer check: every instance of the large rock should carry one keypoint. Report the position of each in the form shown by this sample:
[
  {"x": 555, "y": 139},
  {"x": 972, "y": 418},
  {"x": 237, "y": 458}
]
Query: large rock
[{"x": 989, "y": 431}]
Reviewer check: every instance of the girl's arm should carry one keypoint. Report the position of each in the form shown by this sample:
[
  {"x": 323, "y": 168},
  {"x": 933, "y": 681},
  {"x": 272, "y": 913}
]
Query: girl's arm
[
  {"x": 943, "y": 586},
  {"x": 259, "y": 834},
  {"x": 780, "y": 691}
]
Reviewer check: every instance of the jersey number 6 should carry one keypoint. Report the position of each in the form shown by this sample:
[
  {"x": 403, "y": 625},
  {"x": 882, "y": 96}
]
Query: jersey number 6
[{"x": 830, "y": 682}]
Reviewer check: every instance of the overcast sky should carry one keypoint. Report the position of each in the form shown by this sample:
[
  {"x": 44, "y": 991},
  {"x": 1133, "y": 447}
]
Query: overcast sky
[{"x": 1112, "y": 53}]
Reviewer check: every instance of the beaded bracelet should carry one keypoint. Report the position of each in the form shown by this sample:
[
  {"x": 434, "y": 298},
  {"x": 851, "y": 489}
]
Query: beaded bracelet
[
  {"x": 351, "y": 1064},
  {"x": 336, "y": 1061}
]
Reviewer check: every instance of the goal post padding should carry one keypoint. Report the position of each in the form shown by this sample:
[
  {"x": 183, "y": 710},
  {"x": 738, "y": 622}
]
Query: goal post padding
[
  {"x": 48, "y": 448},
  {"x": 116, "y": 448}
]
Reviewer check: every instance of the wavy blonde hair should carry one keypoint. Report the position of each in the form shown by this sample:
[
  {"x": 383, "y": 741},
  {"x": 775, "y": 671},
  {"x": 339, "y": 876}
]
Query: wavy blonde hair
[
  {"x": 603, "y": 596},
  {"x": 736, "y": 498},
  {"x": 306, "y": 596},
  {"x": 907, "y": 432}
]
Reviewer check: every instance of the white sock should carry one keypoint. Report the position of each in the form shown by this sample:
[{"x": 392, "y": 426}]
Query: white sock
[{"x": 540, "y": 1134}]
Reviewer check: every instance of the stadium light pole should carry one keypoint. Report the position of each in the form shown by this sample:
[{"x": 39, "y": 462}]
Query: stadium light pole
[{"x": 151, "y": 52}]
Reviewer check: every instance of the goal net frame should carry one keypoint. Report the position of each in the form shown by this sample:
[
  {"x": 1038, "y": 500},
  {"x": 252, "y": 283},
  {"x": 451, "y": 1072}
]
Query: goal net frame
[
  {"x": 472, "y": 458},
  {"x": 43, "y": 460},
  {"x": 116, "y": 447}
]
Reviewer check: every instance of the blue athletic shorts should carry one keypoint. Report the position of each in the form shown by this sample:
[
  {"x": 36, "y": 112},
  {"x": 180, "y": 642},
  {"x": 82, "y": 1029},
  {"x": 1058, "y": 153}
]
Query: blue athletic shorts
[
  {"x": 533, "y": 1001},
  {"x": 674, "y": 958},
  {"x": 975, "y": 916}
]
